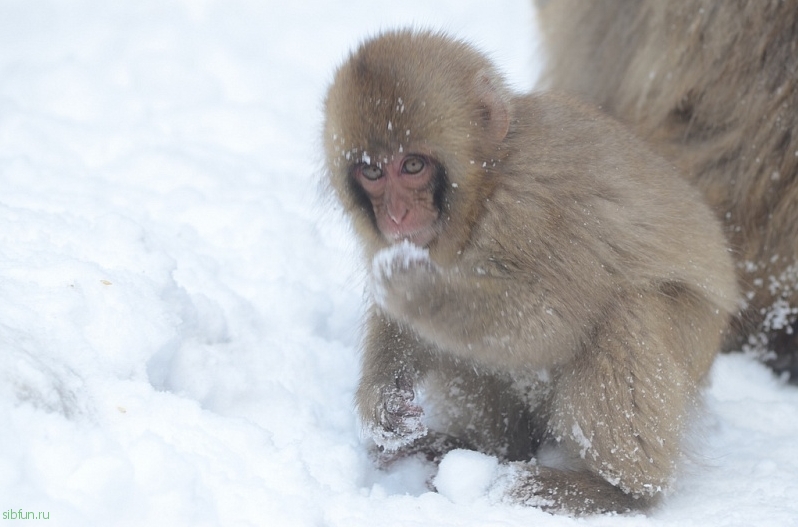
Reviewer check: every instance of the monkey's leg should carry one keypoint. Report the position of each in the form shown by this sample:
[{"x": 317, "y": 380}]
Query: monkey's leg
[
  {"x": 483, "y": 411},
  {"x": 620, "y": 408},
  {"x": 465, "y": 407},
  {"x": 394, "y": 360}
]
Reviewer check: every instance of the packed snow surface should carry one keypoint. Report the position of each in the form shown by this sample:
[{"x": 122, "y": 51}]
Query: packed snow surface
[{"x": 180, "y": 304}]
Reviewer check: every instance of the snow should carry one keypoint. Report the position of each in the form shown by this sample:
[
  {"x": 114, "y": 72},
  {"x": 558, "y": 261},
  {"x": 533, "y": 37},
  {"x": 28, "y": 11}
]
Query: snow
[
  {"x": 465, "y": 476},
  {"x": 180, "y": 304},
  {"x": 400, "y": 256}
]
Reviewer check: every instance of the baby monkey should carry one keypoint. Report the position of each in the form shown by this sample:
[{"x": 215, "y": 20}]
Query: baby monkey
[{"x": 547, "y": 282}]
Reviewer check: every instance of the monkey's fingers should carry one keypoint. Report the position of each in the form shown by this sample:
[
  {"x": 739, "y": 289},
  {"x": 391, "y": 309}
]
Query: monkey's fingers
[
  {"x": 395, "y": 268},
  {"x": 432, "y": 447},
  {"x": 403, "y": 283},
  {"x": 399, "y": 420},
  {"x": 398, "y": 257}
]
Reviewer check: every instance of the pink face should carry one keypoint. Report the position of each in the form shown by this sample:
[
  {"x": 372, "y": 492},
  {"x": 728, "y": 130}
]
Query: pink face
[{"x": 401, "y": 192}]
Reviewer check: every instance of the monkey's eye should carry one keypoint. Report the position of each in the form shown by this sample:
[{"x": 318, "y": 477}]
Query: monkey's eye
[
  {"x": 371, "y": 172},
  {"x": 413, "y": 165}
]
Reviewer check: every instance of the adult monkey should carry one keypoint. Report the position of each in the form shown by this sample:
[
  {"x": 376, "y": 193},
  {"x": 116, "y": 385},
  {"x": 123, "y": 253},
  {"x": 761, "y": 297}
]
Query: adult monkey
[
  {"x": 537, "y": 272},
  {"x": 713, "y": 86}
]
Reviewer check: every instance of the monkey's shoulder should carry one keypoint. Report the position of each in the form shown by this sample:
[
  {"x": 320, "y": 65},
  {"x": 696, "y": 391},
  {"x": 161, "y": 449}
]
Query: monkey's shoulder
[
  {"x": 569, "y": 152},
  {"x": 561, "y": 128}
]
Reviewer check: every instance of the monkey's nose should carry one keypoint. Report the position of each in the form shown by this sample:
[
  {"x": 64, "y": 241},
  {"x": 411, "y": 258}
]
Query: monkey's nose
[{"x": 397, "y": 213}]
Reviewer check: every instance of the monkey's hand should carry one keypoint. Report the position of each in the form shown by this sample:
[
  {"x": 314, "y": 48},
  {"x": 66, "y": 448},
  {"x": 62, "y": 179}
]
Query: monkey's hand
[
  {"x": 397, "y": 418},
  {"x": 400, "y": 276}
]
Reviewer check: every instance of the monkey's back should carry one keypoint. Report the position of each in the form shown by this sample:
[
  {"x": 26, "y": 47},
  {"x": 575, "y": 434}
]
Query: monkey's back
[
  {"x": 712, "y": 86},
  {"x": 598, "y": 196},
  {"x": 603, "y": 217}
]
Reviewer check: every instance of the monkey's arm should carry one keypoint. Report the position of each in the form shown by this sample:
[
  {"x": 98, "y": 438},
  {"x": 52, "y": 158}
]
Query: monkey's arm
[
  {"x": 487, "y": 317},
  {"x": 393, "y": 361}
]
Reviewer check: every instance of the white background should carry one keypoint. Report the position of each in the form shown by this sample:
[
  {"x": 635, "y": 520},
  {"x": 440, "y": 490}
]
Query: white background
[{"x": 180, "y": 304}]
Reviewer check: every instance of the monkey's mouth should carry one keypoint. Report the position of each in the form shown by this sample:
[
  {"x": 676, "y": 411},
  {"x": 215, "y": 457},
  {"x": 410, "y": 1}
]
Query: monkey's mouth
[{"x": 421, "y": 237}]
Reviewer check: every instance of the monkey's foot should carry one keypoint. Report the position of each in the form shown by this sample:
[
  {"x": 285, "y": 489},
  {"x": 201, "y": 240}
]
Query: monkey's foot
[{"x": 560, "y": 491}]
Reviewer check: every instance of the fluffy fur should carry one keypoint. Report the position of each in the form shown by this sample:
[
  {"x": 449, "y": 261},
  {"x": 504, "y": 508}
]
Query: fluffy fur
[
  {"x": 713, "y": 86},
  {"x": 574, "y": 299}
]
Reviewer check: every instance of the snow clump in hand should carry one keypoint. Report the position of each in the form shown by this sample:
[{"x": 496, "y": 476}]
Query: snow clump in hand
[{"x": 401, "y": 256}]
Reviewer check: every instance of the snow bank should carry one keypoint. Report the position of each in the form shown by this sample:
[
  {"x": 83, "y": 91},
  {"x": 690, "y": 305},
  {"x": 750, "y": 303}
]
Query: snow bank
[{"x": 179, "y": 310}]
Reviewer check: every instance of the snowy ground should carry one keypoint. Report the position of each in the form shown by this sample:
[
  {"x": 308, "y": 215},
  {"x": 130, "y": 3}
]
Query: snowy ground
[{"x": 179, "y": 309}]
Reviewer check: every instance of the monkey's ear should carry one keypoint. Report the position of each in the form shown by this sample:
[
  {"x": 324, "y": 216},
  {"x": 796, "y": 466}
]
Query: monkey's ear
[{"x": 495, "y": 105}]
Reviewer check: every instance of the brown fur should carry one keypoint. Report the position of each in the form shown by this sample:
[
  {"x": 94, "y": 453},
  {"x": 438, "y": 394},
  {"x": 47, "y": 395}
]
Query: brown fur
[
  {"x": 574, "y": 299},
  {"x": 712, "y": 85}
]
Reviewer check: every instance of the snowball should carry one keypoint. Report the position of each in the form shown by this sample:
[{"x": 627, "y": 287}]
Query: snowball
[{"x": 465, "y": 475}]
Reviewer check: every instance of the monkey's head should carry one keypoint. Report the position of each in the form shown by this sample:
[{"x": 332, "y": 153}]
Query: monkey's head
[{"x": 413, "y": 132}]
